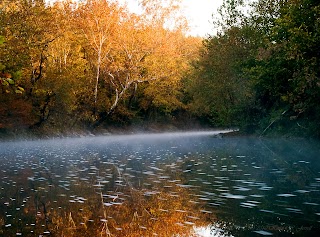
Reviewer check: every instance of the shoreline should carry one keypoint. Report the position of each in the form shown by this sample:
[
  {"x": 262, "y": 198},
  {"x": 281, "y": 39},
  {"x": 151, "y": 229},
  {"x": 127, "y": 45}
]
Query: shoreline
[{"x": 25, "y": 135}]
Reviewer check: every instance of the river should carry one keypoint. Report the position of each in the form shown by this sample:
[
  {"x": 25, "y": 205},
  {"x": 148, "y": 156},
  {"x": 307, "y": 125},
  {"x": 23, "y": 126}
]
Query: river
[{"x": 168, "y": 184}]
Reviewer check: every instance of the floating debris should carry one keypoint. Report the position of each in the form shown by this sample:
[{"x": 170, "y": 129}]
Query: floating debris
[
  {"x": 311, "y": 203},
  {"x": 248, "y": 204},
  {"x": 265, "y": 188},
  {"x": 267, "y": 211},
  {"x": 141, "y": 181},
  {"x": 206, "y": 211},
  {"x": 294, "y": 210},
  {"x": 286, "y": 195},
  {"x": 232, "y": 196},
  {"x": 262, "y": 232},
  {"x": 189, "y": 223}
]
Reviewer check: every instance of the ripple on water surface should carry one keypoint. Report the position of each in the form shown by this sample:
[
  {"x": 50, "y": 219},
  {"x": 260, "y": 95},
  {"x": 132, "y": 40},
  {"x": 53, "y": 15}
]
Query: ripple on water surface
[{"x": 131, "y": 185}]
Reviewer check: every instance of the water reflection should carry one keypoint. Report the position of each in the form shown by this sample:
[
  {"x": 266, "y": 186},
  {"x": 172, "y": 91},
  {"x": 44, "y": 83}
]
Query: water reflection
[{"x": 160, "y": 185}]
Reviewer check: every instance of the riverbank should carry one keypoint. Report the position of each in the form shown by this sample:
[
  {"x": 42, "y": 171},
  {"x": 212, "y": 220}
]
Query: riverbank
[
  {"x": 149, "y": 127},
  {"x": 47, "y": 132}
]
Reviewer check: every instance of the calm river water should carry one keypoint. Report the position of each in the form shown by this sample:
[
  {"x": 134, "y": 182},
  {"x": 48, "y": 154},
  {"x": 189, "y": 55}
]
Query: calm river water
[{"x": 171, "y": 184}]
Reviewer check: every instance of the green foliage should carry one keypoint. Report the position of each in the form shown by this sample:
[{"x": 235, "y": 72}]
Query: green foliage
[
  {"x": 1, "y": 40},
  {"x": 9, "y": 80},
  {"x": 219, "y": 85},
  {"x": 262, "y": 73},
  {"x": 289, "y": 75}
]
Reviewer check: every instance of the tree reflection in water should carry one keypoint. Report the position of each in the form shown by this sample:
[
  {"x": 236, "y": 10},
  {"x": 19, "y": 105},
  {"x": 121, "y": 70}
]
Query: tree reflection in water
[
  {"x": 101, "y": 199},
  {"x": 161, "y": 185}
]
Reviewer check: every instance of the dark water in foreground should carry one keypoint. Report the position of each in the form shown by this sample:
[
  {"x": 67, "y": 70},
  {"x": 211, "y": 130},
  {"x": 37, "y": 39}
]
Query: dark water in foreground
[{"x": 188, "y": 184}]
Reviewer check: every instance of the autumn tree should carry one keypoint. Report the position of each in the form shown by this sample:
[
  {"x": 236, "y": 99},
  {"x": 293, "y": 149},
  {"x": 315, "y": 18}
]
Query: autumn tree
[
  {"x": 81, "y": 63},
  {"x": 27, "y": 28},
  {"x": 170, "y": 54},
  {"x": 126, "y": 49},
  {"x": 43, "y": 48},
  {"x": 65, "y": 70},
  {"x": 98, "y": 21}
]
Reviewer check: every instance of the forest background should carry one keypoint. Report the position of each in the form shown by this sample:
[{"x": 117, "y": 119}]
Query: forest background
[{"x": 68, "y": 68}]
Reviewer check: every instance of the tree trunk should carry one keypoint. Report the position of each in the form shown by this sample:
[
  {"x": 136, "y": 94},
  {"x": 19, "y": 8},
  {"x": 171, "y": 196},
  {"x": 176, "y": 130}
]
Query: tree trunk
[
  {"x": 104, "y": 115},
  {"x": 96, "y": 84}
]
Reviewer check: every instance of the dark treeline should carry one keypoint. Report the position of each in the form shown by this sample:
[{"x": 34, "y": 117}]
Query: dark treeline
[
  {"x": 261, "y": 72},
  {"x": 71, "y": 66}
]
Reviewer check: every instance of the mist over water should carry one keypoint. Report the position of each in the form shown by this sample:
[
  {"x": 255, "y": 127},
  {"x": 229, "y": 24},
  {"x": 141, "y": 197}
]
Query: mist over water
[{"x": 190, "y": 183}]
